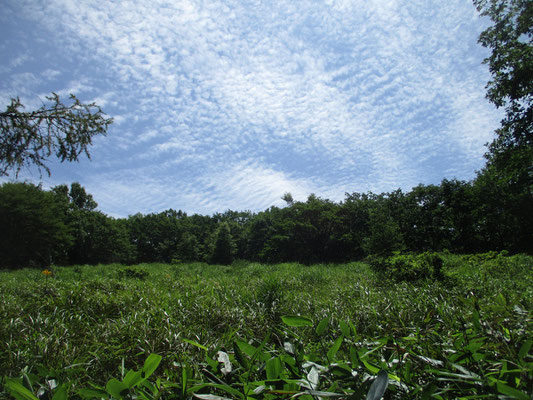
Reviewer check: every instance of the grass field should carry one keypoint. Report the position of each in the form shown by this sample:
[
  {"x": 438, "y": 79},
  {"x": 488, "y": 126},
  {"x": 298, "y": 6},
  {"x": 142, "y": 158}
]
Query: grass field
[{"x": 230, "y": 331}]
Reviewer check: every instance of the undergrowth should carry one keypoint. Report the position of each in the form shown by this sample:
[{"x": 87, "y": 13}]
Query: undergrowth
[{"x": 253, "y": 331}]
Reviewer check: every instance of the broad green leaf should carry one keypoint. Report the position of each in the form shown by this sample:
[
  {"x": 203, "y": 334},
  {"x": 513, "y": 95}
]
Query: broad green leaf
[
  {"x": 428, "y": 391},
  {"x": 345, "y": 328},
  {"x": 132, "y": 378},
  {"x": 524, "y": 349},
  {"x": 239, "y": 356},
  {"x": 91, "y": 394},
  {"x": 212, "y": 363},
  {"x": 273, "y": 368},
  {"x": 146, "y": 384},
  {"x": 288, "y": 360},
  {"x": 247, "y": 348},
  {"x": 509, "y": 391},
  {"x": 151, "y": 364},
  {"x": 116, "y": 388},
  {"x": 500, "y": 299},
  {"x": 370, "y": 367},
  {"x": 332, "y": 352},
  {"x": 475, "y": 320},
  {"x": 195, "y": 344},
  {"x": 210, "y": 397},
  {"x": 296, "y": 321},
  {"x": 60, "y": 393},
  {"x": 19, "y": 391},
  {"x": 379, "y": 386},
  {"x": 184, "y": 379},
  {"x": 354, "y": 357},
  {"x": 322, "y": 326}
]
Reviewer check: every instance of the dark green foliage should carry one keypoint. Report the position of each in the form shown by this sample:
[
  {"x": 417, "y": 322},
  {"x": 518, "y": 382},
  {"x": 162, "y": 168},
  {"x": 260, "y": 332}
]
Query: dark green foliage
[
  {"x": 223, "y": 249},
  {"x": 97, "y": 237},
  {"x": 33, "y": 230},
  {"x": 409, "y": 267},
  {"x": 385, "y": 236},
  {"x": 133, "y": 273},
  {"x": 459, "y": 216},
  {"x": 510, "y": 39},
  {"x": 162, "y": 237},
  {"x": 505, "y": 185}
]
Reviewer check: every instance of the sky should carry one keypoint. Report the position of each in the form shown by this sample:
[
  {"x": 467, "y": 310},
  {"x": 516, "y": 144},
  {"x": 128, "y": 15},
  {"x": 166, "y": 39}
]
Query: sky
[{"x": 230, "y": 104}]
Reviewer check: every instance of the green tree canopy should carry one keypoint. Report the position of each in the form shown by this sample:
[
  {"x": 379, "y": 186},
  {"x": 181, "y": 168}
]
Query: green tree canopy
[
  {"x": 32, "y": 227},
  {"x": 223, "y": 245},
  {"x": 510, "y": 39},
  {"x": 65, "y": 131}
]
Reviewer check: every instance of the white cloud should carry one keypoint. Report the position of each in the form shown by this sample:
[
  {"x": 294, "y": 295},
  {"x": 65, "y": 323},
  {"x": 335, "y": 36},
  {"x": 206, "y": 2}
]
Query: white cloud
[{"x": 362, "y": 95}]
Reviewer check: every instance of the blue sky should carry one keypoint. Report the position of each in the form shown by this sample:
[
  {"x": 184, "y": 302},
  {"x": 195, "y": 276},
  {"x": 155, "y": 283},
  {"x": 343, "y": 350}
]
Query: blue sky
[{"x": 229, "y": 104}]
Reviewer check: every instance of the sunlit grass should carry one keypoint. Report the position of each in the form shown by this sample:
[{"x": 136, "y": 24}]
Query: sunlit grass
[{"x": 83, "y": 322}]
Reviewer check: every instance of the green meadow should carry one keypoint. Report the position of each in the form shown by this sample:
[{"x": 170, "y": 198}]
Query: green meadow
[{"x": 254, "y": 331}]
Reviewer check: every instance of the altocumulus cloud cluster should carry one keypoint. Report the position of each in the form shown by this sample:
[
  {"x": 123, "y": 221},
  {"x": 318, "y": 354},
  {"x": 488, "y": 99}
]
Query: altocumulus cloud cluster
[{"x": 230, "y": 104}]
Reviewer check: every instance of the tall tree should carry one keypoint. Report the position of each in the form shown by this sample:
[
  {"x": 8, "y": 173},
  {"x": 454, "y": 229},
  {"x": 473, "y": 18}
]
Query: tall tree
[
  {"x": 65, "y": 131},
  {"x": 510, "y": 39},
  {"x": 33, "y": 232},
  {"x": 223, "y": 245},
  {"x": 509, "y": 169}
]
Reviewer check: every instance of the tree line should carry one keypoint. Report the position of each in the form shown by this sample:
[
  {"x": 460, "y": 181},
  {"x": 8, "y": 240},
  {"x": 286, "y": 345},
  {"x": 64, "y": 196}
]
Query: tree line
[{"x": 63, "y": 226}]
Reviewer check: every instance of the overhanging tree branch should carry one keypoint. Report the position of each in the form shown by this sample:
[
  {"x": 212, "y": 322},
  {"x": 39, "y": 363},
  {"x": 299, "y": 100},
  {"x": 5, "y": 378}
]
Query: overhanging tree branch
[{"x": 66, "y": 131}]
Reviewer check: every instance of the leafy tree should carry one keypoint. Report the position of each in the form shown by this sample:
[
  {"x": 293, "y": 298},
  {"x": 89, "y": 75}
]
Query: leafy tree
[
  {"x": 385, "y": 235},
  {"x": 428, "y": 230},
  {"x": 187, "y": 248},
  {"x": 256, "y": 233},
  {"x": 223, "y": 245},
  {"x": 65, "y": 131},
  {"x": 354, "y": 214},
  {"x": 314, "y": 230},
  {"x": 152, "y": 237},
  {"x": 97, "y": 238},
  {"x": 287, "y": 198},
  {"x": 202, "y": 227},
  {"x": 503, "y": 217},
  {"x": 33, "y": 232},
  {"x": 504, "y": 188},
  {"x": 237, "y": 221},
  {"x": 461, "y": 212},
  {"x": 510, "y": 39},
  {"x": 80, "y": 199}
]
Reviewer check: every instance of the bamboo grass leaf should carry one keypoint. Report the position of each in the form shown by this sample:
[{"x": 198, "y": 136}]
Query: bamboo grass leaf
[
  {"x": 379, "y": 386},
  {"x": 296, "y": 320}
]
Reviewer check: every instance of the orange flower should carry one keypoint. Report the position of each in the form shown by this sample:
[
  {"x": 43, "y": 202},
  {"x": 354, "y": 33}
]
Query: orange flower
[{"x": 47, "y": 272}]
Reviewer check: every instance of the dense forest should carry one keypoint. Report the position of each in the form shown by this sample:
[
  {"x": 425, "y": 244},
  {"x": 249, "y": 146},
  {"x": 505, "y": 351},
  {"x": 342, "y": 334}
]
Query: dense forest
[
  {"x": 494, "y": 211},
  {"x": 63, "y": 226}
]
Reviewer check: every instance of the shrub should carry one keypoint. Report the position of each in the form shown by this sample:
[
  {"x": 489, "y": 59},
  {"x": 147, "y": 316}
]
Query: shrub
[
  {"x": 409, "y": 267},
  {"x": 133, "y": 273}
]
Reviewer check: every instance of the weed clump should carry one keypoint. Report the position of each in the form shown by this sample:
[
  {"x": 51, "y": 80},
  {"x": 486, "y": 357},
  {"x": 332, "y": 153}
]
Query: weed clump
[
  {"x": 132, "y": 274},
  {"x": 409, "y": 267}
]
